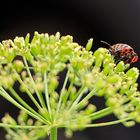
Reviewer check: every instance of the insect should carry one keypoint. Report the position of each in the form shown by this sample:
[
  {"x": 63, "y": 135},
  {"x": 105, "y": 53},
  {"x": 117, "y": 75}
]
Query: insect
[{"x": 122, "y": 52}]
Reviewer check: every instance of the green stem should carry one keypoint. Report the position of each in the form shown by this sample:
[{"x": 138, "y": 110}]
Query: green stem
[
  {"x": 62, "y": 91},
  {"x": 39, "y": 95},
  {"x": 46, "y": 93},
  {"x": 101, "y": 113},
  {"x": 27, "y": 91},
  {"x": 4, "y": 94},
  {"x": 68, "y": 92},
  {"x": 22, "y": 126},
  {"x": 98, "y": 114},
  {"x": 89, "y": 95},
  {"x": 100, "y": 124},
  {"x": 108, "y": 123},
  {"x": 80, "y": 93},
  {"x": 53, "y": 133},
  {"x": 12, "y": 132},
  {"x": 19, "y": 99}
]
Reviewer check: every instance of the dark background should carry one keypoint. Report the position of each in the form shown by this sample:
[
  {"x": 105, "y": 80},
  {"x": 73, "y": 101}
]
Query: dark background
[{"x": 109, "y": 20}]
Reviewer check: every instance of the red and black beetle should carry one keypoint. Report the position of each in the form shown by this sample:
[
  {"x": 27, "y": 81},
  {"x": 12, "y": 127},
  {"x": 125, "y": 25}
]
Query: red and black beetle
[{"x": 122, "y": 52}]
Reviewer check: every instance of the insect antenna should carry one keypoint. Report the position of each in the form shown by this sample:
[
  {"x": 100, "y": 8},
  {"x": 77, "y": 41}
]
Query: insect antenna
[{"x": 104, "y": 42}]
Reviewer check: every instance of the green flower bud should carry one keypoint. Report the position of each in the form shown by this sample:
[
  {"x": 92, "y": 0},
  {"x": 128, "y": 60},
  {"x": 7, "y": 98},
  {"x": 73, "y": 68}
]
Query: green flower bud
[
  {"x": 90, "y": 109},
  {"x": 107, "y": 60},
  {"x": 18, "y": 65},
  {"x": 89, "y": 44},
  {"x": 138, "y": 118},
  {"x": 99, "y": 60},
  {"x": 55, "y": 95},
  {"x": 135, "y": 101},
  {"x": 87, "y": 80},
  {"x": 6, "y": 44},
  {"x": 68, "y": 133},
  {"x": 108, "y": 69},
  {"x": 129, "y": 123},
  {"x": 60, "y": 66},
  {"x": 113, "y": 79},
  {"x": 8, "y": 82},
  {"x": 52, "y": 39},
  {"x": 57, "y": 36},
  {"x": 133, "y": 114},
  {"x": 8, "y": 136},
  {"x": 22, "y": 118},
  {"x": 66, "y": 39},
  {"x": 40, "y": 66},
  {"x": 39, "y": 87},
  {"x": 8, "y": 119},
  {"x": 29, "y": 56},
  {"x": 111, "y": 102},
  {"x": 110, "y": 90},
  {"x": 10, "y": 55},
  {"x": 53, "y": 83},
  {"x": 29, "y": 122},
  {"x": 19, "y": 42},
  {"x": 27, "y": 39},
  {"x": 52, "y": 103},
  {"x": 133, "y": 73},
  {"x": 118, "y": 110},
  {"x": 23, "y": 74},
  {"x": 35, "y": 50},
  {"x": 124, "y": 89},
  {"x": 120, "y": 67},
  {"x": 100, "y": 84},
  {"x": 36, "y": 38},
  {"x": 46, "y": 39},
  {"x": 101, "y": 92},
  {"x": 114, "y": 100}
]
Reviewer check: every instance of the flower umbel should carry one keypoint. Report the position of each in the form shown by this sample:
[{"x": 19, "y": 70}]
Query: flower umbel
[
  {"x": 60, "y": 77},
  {"x": 23, "y": 120}
]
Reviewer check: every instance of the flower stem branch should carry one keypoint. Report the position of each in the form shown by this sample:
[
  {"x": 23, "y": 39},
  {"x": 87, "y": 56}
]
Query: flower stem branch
[
  {"x": 21, "y": 101},
  {"x": 89, "y": 95},
  {"x": 53, "y": 133},
  {"x": 46, "y": 93},
  {"x": 65, "y": 98},
  {"x": 22, "y": 126},
  {"x": 80, "y": 93},
  {"x": 100, "y": 124},
  {"x": 101, "y": 113},
  {"x": 40, "y": 97},
  {"x": 27, "y": 91},
  {"x": 62, "y": 91},
  {"x": 4, "y": 94},
  {"x": 108, "y": 123}
]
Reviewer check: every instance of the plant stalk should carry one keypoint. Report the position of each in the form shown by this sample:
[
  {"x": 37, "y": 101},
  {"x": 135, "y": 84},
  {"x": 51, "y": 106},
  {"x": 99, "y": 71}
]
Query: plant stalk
[{"x": 53, "y": 133}]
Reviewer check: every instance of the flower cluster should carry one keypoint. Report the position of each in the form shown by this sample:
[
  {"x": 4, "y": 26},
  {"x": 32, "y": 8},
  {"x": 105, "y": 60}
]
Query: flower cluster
[
  {"x": 64, "y": 76},
  {"x": 23, "y": 134}
]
